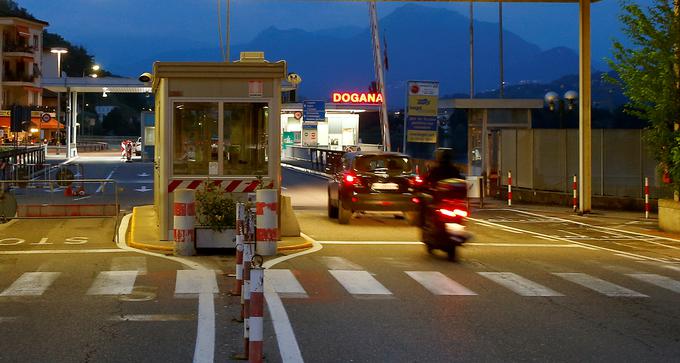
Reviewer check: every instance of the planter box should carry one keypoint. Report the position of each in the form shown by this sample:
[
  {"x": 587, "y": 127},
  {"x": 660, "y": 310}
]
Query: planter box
[
  {"x": 207, "y": 238},
  {"x": 669, "y": 215}
]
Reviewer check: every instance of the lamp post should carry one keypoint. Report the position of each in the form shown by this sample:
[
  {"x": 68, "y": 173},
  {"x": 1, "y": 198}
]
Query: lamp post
[
  {"x": 94, "y": 69},
  {"x": 59, "y": 52},
  {"x": 567, "y": 103}
]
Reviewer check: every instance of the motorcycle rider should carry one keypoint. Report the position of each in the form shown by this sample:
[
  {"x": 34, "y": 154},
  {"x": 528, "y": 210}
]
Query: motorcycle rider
[{"x": 443, "y": 169}]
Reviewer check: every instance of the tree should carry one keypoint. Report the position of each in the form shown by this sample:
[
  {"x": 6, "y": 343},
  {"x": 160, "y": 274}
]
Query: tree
[{"x": 649, "y": 72}]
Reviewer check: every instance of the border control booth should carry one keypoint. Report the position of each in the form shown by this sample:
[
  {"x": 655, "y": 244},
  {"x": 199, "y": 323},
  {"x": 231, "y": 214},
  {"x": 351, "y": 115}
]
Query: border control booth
[{"x": 216, "y": 122}]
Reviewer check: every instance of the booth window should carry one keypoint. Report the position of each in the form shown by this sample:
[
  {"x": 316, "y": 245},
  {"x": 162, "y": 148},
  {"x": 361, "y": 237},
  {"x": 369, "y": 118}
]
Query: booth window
[
  {"x": 195, "y": 137},
  {"x": 245, "y": 138}
]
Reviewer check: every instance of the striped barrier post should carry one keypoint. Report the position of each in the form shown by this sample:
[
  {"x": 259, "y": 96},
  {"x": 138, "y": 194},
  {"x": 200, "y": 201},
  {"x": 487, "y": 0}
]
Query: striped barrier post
[
  {"x": 509, "y": 188},
  {"x": 646, "y": 198},
  {"x": 574, "y": 196},
  {"x": 184, "y": 222},
  {"x": 238, "y": 284},
  {"x": 256, "y": 314},
  {"x": 267, "y": 221},
  {"x": 248, "y": 253}
]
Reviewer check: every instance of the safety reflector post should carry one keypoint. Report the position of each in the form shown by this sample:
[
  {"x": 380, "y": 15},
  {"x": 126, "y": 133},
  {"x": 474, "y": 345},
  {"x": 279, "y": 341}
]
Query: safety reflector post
[
  {"x": 646, "y": 198},
  {"x": 240, "y": 215},
  {"x": 574, "y": 197},
  {"x": 184, "y": 222},
  {"x": 256, "y": 314},
  {"x": 509, "y": 188},
  {"x": 267, "y": 206}
]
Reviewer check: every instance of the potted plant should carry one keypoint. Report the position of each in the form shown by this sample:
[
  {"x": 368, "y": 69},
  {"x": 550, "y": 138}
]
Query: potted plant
[{"x": 216, "y": 217}]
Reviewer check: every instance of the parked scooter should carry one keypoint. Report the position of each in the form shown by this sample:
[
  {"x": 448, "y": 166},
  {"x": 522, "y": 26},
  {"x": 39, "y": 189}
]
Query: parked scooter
[{"x": 443, "y": 214}]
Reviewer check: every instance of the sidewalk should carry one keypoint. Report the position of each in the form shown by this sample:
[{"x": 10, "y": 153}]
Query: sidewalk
[{"x": 143, "y": 233}]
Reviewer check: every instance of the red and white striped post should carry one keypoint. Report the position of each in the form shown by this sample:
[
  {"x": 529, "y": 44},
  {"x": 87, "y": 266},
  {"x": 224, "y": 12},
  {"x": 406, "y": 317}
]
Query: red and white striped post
[
  {"x": 574, "y": 196},
  {"x": 238, "y": 285},
  {"x": 256, "y": 314},
  {"x": 184, "y": 222},
  {"x": 267, "y": 221},
  {"x": 509, "y": 188},
  {"x": 646, "y": 198}
]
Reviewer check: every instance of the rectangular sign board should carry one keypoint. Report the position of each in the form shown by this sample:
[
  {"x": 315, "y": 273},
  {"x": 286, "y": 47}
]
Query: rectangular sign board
[
  {"x": 422, "y": 101},
  {"x": 314, "y": 111}
]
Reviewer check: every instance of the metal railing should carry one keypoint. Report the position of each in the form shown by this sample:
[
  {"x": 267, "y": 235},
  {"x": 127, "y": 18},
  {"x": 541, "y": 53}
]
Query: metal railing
[{"x": 23, "y": 155}]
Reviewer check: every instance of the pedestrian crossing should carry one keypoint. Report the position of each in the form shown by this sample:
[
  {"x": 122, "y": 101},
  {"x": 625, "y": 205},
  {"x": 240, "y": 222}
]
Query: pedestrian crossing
[{"x": 361, "y": 283}]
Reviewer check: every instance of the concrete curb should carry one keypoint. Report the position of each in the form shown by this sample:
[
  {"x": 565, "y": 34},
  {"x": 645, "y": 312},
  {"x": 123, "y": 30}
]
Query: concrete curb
[
  {"x": 307, "y": 171},
  {"x": 143, "y": 246},
  {"x": 300, "y": 246}
]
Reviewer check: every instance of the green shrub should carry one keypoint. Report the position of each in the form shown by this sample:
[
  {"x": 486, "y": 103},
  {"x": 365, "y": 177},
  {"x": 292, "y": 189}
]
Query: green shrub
[{"x": 214, "y": 208}]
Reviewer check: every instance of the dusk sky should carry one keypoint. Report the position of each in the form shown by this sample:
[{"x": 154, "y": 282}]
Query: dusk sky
[{"x": 118, "y": 31}]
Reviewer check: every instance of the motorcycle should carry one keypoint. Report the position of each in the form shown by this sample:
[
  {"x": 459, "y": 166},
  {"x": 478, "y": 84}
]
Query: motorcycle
[{"x": 442, "y": 217}]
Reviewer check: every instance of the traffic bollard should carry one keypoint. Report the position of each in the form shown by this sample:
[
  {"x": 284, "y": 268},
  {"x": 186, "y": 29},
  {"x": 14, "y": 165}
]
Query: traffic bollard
[
  {"x": 238, "y": 283},
  {"x": 509, "y": 188},
  {"x": 184, "y": 222},
  {"x": 267, "y": 221},
  {"x": 646, "y": 198},
  {"x": 574, "y": 198},
  {"x": 256, "y": 334}
]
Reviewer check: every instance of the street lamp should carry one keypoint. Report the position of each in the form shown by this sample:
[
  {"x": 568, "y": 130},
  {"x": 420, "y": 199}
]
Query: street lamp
[
  {"x": 567, "y": 103},
  {"x": 93, "y": 73},
  {"x": 59, "y": 51}
]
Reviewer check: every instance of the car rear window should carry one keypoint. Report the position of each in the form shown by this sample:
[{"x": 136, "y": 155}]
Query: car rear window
[{"x": 373, "y": 163}]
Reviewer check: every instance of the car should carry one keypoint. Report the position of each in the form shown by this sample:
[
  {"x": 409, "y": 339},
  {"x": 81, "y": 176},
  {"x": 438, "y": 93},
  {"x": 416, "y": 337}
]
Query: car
[
  {"x": 138, "y": 146},
  {"x": 374, "y": 181}
]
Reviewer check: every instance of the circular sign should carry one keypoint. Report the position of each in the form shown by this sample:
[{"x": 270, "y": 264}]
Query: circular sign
[
  {"x": 415, "y": 89},
  {"x": 64, "y": 177},
  {"x": 297, "y": 115},
  {"x": 294, "y": 78},
  {"x": 45, "y": 117}
]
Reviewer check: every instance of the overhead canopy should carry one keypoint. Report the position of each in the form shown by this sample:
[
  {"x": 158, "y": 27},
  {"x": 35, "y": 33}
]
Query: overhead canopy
[{"x": 95, "y": 85}]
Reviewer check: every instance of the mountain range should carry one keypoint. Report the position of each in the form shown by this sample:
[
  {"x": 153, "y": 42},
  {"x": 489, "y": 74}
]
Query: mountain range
[{"x": 422, "y": 43}]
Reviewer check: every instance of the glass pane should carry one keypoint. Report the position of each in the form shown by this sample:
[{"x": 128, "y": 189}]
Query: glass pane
[
  {"x": 195, "y": 137},
  {"x": 245, "y": 138}
]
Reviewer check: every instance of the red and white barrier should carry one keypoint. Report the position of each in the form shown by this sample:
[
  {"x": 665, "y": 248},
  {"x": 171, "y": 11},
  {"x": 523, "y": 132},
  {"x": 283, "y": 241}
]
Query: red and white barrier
[
  {"x": 229, "y": 185},
  {"x": 646, "y": 198},
  {"x": 267, "y": 221},
  {"x": 245, "y": 295},
  {"x": 256, "y": 314},
  {"x": 574, "y": 198},
  {"x": 240, "y": 214},
  {"x": 184, "y": 222},
  {"x": 509, "y": 188}
]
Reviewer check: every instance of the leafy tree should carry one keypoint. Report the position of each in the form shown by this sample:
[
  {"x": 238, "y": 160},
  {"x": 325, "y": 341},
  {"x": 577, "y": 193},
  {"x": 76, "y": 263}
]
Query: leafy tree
[
  {"x": 11, "y": 8},
  {"x": 649, "y": 71}
]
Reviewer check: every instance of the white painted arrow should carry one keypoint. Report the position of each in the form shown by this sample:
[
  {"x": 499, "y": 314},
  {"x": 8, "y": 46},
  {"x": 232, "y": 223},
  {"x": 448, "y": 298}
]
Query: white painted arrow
[
  {"x": 143, "y": 174},
  {"x": 144, "y": 189}
]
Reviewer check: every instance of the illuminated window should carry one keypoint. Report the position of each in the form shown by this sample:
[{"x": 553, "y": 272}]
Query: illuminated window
[
  {"x": 195, "y": 137},
  {"x": 245, "y": 139}
]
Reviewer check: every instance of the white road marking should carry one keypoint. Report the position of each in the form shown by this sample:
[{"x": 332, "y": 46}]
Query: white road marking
[
  {"x": 598, "y": 285},
  {"x": 31, "y": 284},
  {"x": 359, "y": 282},
  {"x": 196, "y": 282},
  {"x": 522, "y": 245},
  {"x": 630, "y": 257},
  {"x": 205, "y": 339},
  {"x": 438, "y": 284},
  {"x": 101, "y": 186},
  {"x": 339, "y": 263},
  {"x": 368, "y": 243},
  {"x": 8, "y": 319},
  {"x": 658, "y": 280},
  {"x": 37, "y": 252},
  {"x": 285, "y": 283},
  {"x": 152, "y": 317},
  {"x": 128, "y": 264},
  {"x": 113, "y": 283},
  {"x": 519, "y": 284}
]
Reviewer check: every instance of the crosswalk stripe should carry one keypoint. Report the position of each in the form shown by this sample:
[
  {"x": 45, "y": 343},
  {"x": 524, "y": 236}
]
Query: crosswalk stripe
[
  {"x": 31, "y": 284},
  {"x": 339, "y": 263},
  {"x": 128, "y": 264},
  {"x": 439, "y": 284},
  {"x": 196, "y": 282},
  {"x": 113, "y": 283},
  {"x": 599, "y": 285},
  {"x": 519, "y": 284},
  {"x": 284, "y": 282},
  {"x": 359, "y": 282},
  {"x": 658, "y": 280}
]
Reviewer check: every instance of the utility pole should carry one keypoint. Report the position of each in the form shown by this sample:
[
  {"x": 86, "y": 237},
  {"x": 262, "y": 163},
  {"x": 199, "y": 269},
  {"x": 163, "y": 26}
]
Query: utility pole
[{"x": 380, "y": 82}]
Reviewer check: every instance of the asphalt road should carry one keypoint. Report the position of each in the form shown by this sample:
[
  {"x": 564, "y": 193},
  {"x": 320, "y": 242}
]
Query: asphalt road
[{"x": 540, "y": 285}]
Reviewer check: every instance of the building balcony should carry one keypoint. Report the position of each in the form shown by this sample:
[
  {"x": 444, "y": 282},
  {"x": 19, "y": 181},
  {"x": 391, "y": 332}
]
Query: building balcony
[
  {"x": 19, "y": 80},
  {"x": 18, "y": 48}
]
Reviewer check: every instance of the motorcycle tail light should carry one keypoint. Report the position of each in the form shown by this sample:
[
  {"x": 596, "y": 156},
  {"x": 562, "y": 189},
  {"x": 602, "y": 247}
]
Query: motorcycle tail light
[
  {"x": 453, "y": 213},
  {"x": 417, "y": 181}
]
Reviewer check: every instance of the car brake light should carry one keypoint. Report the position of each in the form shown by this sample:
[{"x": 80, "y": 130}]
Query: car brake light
[
  {"x": 415, "y": 200},
  {"x": 417, "y": 181},
  {"x": 453, "y": 213},
  {"x": 351, "y": 179}
]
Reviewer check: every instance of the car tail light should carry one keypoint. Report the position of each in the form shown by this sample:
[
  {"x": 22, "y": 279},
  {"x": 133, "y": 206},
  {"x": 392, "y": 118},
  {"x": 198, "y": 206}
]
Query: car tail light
[
  {"x": 417, "y": 181},
  {"x": 351, "y": 179},
  {"x": 453, "y": 212},
  {"x": 415, "y": 200}
]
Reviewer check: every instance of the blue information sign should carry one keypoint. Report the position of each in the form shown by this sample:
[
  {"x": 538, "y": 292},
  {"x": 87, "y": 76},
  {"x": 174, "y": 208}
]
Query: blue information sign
[{"x": 314, "y": 111}]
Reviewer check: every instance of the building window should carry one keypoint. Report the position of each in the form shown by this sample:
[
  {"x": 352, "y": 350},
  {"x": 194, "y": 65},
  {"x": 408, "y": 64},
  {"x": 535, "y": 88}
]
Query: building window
[
  {"x": 195, "y": 137},
  {"x": 239, "y": 143},
  {"x": 245, "y": 138}
]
